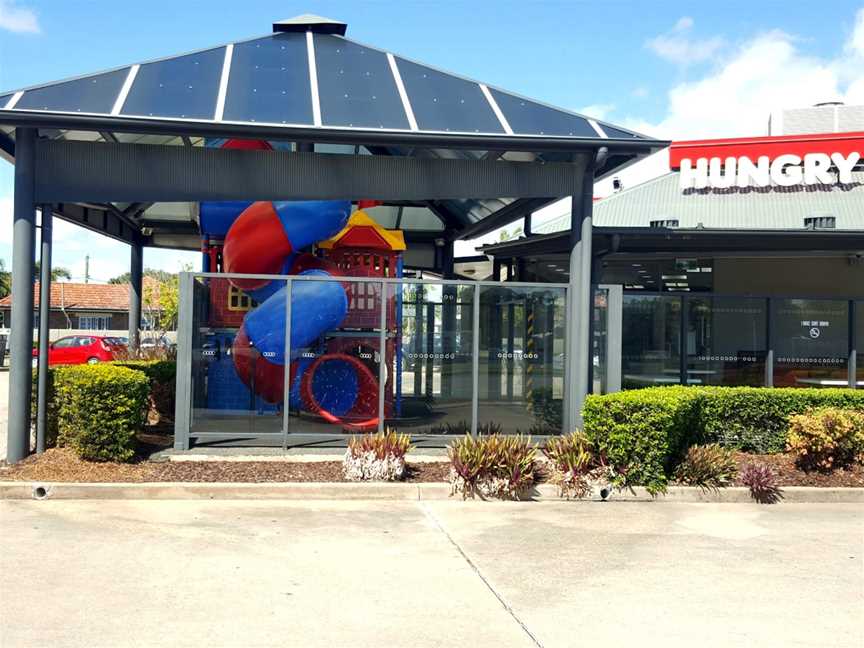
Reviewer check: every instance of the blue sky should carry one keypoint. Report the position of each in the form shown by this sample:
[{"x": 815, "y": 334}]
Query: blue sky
[{"x": 671, "y": 69}]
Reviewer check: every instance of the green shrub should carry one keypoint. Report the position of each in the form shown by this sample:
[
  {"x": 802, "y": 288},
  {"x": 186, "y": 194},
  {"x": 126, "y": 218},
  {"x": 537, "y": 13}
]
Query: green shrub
[
  {"x": 492, "y": 465},
  {"x": 51, "y": 432},
  {"x": 99, "y": 410},
  {"x": 756, "y": 419},
  {"x": 827, "y": 438},
  {"x": 710, "y": 467},
  {"x": 162, "y": 375},
  {"x": 643, "y": 432}
]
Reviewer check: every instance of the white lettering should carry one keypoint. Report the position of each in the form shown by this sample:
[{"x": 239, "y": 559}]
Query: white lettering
[
  {"x": 785, "y": 170},
  {"x": 845, "y": 165},
  {"x": 817, "y": 169},
  {"x": 758, "y": 174}
]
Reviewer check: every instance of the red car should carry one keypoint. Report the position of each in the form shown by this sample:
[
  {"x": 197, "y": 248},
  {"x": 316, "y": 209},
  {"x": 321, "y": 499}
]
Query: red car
[{"x": 78, "y": 349}]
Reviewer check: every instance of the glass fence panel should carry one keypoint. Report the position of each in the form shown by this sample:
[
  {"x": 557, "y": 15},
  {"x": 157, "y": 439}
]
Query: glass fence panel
[
  {"x": 236, "y": 371},
  {"x": 726, "y": 341},
  {"x": 335, "y": 356},
  {"x": 859, "y": 344},
  {"x": 521, "y": 375},
  {"x": 651, "y": 341},
  {"x": 429, "y": 354},
  {"x": 811, "y": 342},
  {"x": 600, "y": 338}
]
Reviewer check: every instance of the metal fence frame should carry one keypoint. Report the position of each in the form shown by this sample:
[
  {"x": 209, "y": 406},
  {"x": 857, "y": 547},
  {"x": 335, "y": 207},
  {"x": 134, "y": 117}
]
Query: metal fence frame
[{"x": 184, "y": 397}]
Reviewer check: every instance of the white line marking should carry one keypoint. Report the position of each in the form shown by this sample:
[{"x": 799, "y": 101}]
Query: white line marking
[
  {"x": 313, "y": 79},
  {"x": 598, "y": 129},
  {"x": 403, "y": 94},
  {"x": 14, "y": 100},
  {"x": 494, "y": 105},
  {"x": 223, "y": 83},
  {"x": 124, "y": 90}
]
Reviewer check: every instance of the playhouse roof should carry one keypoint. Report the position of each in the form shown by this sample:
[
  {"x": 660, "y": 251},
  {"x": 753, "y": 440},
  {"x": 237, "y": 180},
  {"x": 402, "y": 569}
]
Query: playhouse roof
[{"x": 363, "y": 232}]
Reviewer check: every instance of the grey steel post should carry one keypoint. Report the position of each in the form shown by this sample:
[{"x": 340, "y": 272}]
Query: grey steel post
[
  {"x": 614, "y": 333},
  {"x": 382, "y": 356},
  {"x": 21, "y": 325},
  {"x": 853, "y": 346},
  {"x": 183, "y": 381},
  {"x": 44, "y": 322},
  {"x": 136, "y": 271},
  {"x": 579, "y": 295},
  {"x": 769, "y": 338},
  {"x": 286, "y": 381},
  {"x": 475, "y": 360}
]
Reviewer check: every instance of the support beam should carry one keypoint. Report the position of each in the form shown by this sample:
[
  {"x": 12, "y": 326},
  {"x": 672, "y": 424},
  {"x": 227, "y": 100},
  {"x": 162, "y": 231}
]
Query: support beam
[
  {"x": 44, "y": 324},
  {"x": 73, "y": 171},
  {"x": 23, "y": 260},
  {"x": 136, "y": 273}
]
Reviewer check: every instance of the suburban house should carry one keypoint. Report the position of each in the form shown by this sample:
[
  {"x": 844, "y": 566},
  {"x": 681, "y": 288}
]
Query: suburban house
[{"x": 87, "y": 306}]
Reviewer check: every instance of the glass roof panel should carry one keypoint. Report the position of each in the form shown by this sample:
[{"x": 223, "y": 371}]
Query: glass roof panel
[
  {"x": 420, "y": 219},
  {"x": 611, "y": 131},
  {"x": 4, "y": 99},
  {"x": 185, "y": 87},
  {"x": 271, "y": 83},
  {"x": 93, "y": 94},
  {"x": 356, "y": 86},
  {"x": 442, "y": 102},
  {"x": 529, "y": 118}
]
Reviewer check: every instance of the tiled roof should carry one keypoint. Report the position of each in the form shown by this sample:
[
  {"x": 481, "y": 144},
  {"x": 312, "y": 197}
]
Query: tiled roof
[{"x": 83, "y": 296}]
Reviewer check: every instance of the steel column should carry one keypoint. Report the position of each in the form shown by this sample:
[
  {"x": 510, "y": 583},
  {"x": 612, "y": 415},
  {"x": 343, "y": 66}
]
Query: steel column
[
  {"x": 286, "y": 378},
  {"x": 382, "y": 356},
  {"x": 769, "y": 339},
  {"x": 183, "y": 381},
  {"x": 614, "y": 336},
  {"x": 136, "y": 273},
  {"x": 23, "y": 261},
  {"x": 475, "y": 360},
  {"x": 579, "y": 299},
  {"x": 44, "y": 325},
  {"x": 853, "y": 346}
]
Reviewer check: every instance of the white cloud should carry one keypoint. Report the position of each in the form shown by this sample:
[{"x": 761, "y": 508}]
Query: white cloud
[
  {"x": 677, "y": 46},
  {"x": 597, "y": 111},
  {"x": 748, "y": 82},
  {"x": 18, "y": 19}
]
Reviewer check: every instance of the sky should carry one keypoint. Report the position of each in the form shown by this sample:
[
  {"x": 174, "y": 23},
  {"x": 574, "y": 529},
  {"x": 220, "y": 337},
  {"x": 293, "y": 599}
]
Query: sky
[{"x": 673, "y": 70}]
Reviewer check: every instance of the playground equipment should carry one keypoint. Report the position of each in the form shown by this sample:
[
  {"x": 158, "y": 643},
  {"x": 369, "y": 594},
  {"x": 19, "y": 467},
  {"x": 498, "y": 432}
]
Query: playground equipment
[{"x": 333, "y": 368}]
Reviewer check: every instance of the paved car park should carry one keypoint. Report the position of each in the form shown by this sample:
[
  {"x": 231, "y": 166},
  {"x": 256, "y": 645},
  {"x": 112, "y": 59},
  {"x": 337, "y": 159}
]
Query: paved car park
[{"x": 255, "y": 573}]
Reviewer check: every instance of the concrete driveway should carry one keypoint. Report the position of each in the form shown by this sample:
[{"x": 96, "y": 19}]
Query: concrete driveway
[{"x": 253, "y": 573}]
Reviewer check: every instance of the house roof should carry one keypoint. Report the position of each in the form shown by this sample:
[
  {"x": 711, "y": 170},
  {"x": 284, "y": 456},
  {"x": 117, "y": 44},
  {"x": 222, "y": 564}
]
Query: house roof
[{"x": 84, "y": 296}]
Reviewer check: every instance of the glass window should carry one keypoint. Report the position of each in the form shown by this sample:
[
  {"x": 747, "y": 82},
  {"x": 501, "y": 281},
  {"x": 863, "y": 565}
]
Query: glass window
[
  {"x": 522, "y": 337},
  {"x": 726, "y": 341},
  {"x": 184, "y": 87},
  {"x": 661, "y": 275},
  {"x": 442, "y": 102},
  {"x": 529, "y": 118},
  {"x": 650, "y": 349},
  {"x": 65, "y": 343},
  {"x": 93, "y": 94},
  {"x": 271, "y": 83},
  {"x": 356, "y": 86},
  {"x": 94, "y": 322},
  {"x": 433, "y": 357},
  {"x": 811, "y": 342}
]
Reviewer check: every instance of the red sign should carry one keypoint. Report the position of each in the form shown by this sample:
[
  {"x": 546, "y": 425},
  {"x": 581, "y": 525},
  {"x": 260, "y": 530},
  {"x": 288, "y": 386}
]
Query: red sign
[{"x": 772, "y": 147}]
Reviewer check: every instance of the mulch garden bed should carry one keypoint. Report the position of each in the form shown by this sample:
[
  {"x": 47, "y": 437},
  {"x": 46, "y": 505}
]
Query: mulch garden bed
[
  {"x": 788, "y": 474},
  {"x": 61, "y": 465}
]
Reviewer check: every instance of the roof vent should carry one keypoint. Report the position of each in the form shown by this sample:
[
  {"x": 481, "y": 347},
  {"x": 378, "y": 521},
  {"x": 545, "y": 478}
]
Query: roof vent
[
  {"x": 820, "y": 222},
  {"x": 310, "y": 23}
]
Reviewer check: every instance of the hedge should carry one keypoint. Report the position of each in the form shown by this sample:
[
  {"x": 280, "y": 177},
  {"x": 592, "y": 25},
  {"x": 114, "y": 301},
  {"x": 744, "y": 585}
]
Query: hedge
[
  {"x": 161, "y": 374},
  {"x": 644, "y": 432},
  {"x": 99, "y": 410}
]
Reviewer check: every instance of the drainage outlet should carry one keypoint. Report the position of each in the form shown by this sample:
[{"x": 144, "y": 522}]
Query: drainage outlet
[{"x": 40, "y": 492}]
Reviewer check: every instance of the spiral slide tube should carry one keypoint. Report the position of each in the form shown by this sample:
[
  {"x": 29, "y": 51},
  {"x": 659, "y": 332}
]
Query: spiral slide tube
[{"x": 265, "y": 239}]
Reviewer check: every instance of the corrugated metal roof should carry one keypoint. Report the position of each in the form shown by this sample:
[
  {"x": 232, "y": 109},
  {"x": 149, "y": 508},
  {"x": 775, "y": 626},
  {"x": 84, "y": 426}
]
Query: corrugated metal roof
[{"x": 750, "y": 208}]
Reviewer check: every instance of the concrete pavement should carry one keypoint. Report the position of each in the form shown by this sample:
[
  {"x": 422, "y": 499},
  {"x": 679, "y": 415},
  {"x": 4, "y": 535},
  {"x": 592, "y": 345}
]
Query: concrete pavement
[{"x": 327, "y": 573}]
